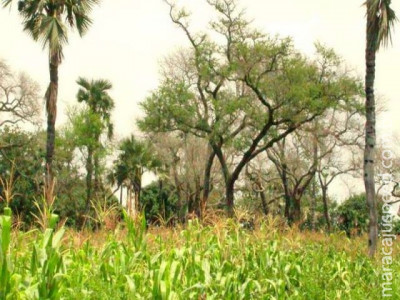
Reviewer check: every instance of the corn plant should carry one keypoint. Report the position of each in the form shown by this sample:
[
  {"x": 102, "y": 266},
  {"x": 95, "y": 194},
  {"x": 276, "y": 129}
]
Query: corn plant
[{"x": 198, "y": 262}]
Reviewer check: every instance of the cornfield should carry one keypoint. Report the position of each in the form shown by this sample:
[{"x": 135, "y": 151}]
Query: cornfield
[{"x": 223, "y": 261}]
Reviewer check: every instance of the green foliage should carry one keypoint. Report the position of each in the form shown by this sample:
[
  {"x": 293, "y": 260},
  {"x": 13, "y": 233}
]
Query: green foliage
[
  {"x": 200, "y": 262},
  {"x": 159, "y": 203},
  {"x": 48, "y": 22},
  {"x": 352, "y": 215},
  {"x": 134, "y": 159},
  {"x": 23, "y": 154},
  {"x": 86, "y": 126},
  {"x": 396, "y": 227},
  {"x": 36, "y": 270},
  {"x": 381, "y": 21},
  {"x": 95, "y": 94}
]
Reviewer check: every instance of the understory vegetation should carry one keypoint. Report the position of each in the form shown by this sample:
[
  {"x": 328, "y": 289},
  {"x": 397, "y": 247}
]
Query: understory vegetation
[{"x": 222, "y": 261}]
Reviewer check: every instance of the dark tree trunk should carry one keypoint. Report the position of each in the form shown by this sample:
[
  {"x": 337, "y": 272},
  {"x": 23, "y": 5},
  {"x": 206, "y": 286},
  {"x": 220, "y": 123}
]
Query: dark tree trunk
[
  {"x": 190, "y": 200},
  {"x": 161, "y": 197},
  {"x": 264, "y": 202},
  {"x": 296, "y": 212},
  {"x": 138, "y": 191},
  {"x": 51, "y": 108},
  {"x": 197, "y": 197},
  {"x": 120, "y": 194},
  {"x": 229, "y": 180},
  {"x": 207, "y": 182},
  {"x": 230, "y": 197},
  {"x": 370, "y": 139}
]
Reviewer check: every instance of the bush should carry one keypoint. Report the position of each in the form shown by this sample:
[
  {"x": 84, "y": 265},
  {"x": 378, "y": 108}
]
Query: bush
[{"x": 159, "y": 201}]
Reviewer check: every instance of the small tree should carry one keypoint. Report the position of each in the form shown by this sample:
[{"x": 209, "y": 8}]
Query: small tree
[
  {"x": 95, "y": 122},
  {"x": 135, "y": 158}
]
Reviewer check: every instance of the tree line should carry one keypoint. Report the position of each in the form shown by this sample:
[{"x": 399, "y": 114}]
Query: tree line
[{"x": 238, "y": 115}]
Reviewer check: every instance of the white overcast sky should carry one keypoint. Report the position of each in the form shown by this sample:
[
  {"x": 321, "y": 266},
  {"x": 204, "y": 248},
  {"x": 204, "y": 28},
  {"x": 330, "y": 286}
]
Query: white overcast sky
[{"x": 128, "y": 39}]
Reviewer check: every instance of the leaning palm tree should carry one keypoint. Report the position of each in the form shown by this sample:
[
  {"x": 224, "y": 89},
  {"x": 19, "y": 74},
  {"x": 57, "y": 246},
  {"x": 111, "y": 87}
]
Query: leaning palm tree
[
  {"x": 380, "y": 22},
  {"x": 48, "y": 21},
  {"x": 95, "y": 94}
]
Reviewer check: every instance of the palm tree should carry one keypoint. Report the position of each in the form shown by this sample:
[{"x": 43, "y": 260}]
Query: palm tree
[
  {"x": 135, "y": 158},
  {"x": 48, "y": 21},
  {"x": 95, "y": 94},
  {"x": 380, "y": 22}
]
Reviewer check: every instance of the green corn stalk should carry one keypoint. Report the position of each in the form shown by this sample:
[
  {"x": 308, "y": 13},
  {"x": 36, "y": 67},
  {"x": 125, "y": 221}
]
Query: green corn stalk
[{"x": 5, "y": 260}]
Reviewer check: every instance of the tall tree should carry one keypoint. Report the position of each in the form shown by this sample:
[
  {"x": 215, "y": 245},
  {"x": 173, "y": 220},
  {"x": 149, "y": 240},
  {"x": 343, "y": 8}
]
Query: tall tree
[
  {"x": 247, "y": 92},
  {"x": 97, "y": 121},
  {"x": 48, "y": 21},
  {"x": 380, "y": 23}
]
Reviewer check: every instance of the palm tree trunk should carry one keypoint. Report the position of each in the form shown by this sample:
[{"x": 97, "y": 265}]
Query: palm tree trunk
[
  {"x": 51, "y": 108},
  {"x": 89, "y": 176},
  {"x": 370, "y": 142},
  {"x": 129, "y": 200},
  {"x": 96, "y": 175}
]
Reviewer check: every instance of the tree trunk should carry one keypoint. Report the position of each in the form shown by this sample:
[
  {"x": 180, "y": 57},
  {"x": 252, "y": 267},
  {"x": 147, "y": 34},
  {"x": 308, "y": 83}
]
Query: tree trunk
[
  {"x": 51, "y": 108},
  {"x": 207, "y": 182},
  {"x": 230, "y": 197},
  {"x": 296, "y": 212},
  {"x": 313, "y": 204},
  {"x": 370, "y": 140},
  {"x": 96, "y": 175},
  {"x": 120, "y": 194},
  {"x": 128, "y": 201},
  {"x": 229, "y": 180},
  {"x": 197, "y": 197},
  {"x": 288, "y": 198},
  {"x": 326, "y": 209},
  {"x": 313, "y": 179},
  {"x": 161, "y": 197},
  {"x": 136, "y": 206},
  {"x": 264, "y": 202},
  {"x": 89, "y": 176},
  {"x": 181, "y": 216},
  {"x": 138, "y": 192}
]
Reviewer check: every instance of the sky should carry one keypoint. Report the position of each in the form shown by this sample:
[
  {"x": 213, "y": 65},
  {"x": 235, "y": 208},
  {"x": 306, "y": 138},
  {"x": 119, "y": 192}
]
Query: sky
[{"x": 129, "y": 38}]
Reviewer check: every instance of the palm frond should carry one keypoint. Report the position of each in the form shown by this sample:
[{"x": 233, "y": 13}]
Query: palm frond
[
  {"x": 381, "y": 20},
  {"x": 44, "y": 19}
]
